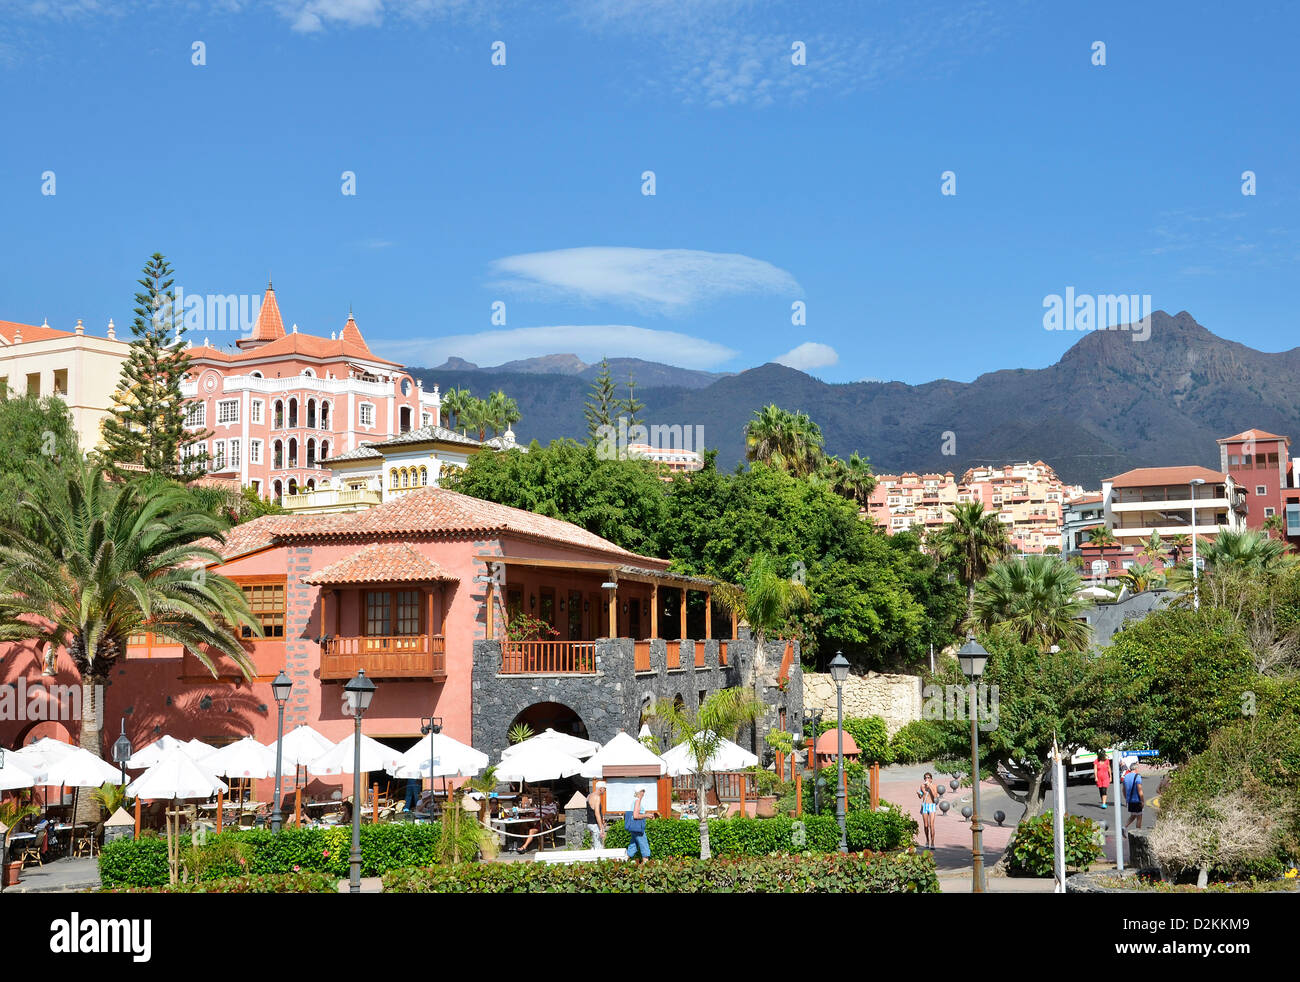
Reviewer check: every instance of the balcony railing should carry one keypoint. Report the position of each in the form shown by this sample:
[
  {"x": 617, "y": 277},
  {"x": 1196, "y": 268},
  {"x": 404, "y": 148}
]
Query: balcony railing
[
  {"x": 549, "y": 657},
  {"x": 332, "y": 497},
  {"x": 404, "y": 656}
]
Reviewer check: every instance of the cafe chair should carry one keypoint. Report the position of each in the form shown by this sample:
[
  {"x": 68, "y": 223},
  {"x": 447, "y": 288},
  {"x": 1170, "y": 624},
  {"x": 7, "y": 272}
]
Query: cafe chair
[{"x": 32, "y": 851}]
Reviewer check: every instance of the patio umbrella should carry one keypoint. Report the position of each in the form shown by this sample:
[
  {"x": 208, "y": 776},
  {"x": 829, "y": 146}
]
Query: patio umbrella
[
  {"x": 622, "y": 751},
  {"x": 154, "y": 752},
  {"x": 198, "y": 749},
  {"x": 571, "y": 745},
  {"x": 452, "y": 759},
  {"x": 13, "y": 775},
  {"x": 243, "y": 758},
  {"x": 728, "y": 757},
  {"x": 81, "y": 769},
  {"x": 302, "y": 745},
  {"x": 540, "y": 762},
  {"x": 176, "y": 775},
  {"x": 40, "y": 756},
  {"x": 375, "y": 756}
]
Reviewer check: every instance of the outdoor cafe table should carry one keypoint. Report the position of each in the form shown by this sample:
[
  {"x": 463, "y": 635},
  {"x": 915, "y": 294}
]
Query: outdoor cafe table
[{"x": 512, "y": 824}]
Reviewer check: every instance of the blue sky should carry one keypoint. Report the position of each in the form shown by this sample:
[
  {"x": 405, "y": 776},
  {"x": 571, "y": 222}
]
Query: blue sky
[{"x": 775, "y": 182}]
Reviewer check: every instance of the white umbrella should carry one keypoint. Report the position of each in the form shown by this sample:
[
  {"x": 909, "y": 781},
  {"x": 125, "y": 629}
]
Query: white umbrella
[
  {"x": 375, "y": 756},
  {"x": 154, "y": 752},
  {"x": 82, "y": 769},
  {"x": 727, "y": 757},
  {"x": 622, "y": 751},
  {"x": 565, "y": 744},
  {"x": 243, "y": 758},
  {"x": 176, "y": 775},
  {"x": 198, "y": 749},
  {"x": 40, "y": 756},
  {"x": 303, "y": 745},
  {"x": 540, "y": 762},
  {"x": 451, "y": 759},
  {"x": 13, "y": 775}
]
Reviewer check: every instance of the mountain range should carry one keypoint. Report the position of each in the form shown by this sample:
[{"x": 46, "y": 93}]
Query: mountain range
[{"x": 1111, "y": 403}]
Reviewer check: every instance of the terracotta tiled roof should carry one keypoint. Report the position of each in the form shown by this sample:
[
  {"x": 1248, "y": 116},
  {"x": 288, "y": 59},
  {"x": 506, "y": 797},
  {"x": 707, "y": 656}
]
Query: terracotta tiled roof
[
  {"x": 364, "y": 451},
  {"x": 309, "y": 345},
  {"x": 1252, "y": 435},
  {"x": 1143, "y": 477},
  {"x": 270, "y": 325},
  {"x": 828, "y": 744},
  {"x": 437, "y": 511},
  {"x": 433, "y": 433},
  {"x": 262, "y": 532},
  {"x": 30, "y": 332},
  {"x": 351, "y": 333},
  {"x": 383, "y": 562}
]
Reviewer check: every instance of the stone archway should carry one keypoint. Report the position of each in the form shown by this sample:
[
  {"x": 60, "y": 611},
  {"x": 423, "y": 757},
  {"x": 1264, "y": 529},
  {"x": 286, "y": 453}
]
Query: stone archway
[{"x": 551, "y": 716}]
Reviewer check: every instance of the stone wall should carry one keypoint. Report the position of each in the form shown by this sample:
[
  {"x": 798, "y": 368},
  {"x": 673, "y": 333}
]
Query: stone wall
[
  {"x": 615, "y": 696},
  {"x": 894, "y": 698}
]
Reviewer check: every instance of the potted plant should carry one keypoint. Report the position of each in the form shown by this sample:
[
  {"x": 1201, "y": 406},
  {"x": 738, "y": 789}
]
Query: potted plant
[{"x": 11, "y": 813}]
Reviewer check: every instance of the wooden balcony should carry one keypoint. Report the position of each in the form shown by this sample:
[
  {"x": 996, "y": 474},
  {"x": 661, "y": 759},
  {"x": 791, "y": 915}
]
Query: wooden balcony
[
  {"x": 408, "y": 656},
  {"x": 549, "y": 657}
]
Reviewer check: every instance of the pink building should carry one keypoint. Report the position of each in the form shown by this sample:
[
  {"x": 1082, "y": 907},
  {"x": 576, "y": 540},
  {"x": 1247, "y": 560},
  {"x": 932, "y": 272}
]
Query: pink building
[{"x": 287, "y": 401}]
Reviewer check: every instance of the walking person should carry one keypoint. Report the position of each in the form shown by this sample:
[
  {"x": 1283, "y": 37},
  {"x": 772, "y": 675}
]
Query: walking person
[
  {"x": 596, "y": 814},
  {"x": 1133, "y": 796},
  {"x": 634, "y": 822},
  {"x": 929, "y": 801},
  {"x": 1101, "y": 773}
]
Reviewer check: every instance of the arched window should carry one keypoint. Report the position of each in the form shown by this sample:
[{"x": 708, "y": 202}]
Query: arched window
[
  {"x": 406, "y": 386},
  {"x": 311, "y": 485},
  {"x": 392, "y": 479},
  {"x": 405, "y": 419},
  {"x": 279, "y": 414},
  {"x": 424, "y": 477},
  {"x": 324, "y": 415},
  {"x": 255, "y": 374},
  {"x": 406, "y": 478},
  {"x": 324, "y": 450},
  {"x": 311, "y": 453},
  {"x": 279, "y": 491},
  {"x": 293, "y": 453},
  {"x": 293, "y": 414},
  {"x": 308, "y": 373},
  {"x": 311, "y": 414},
  {"x": 277, "y": 458},
  {"x": 293, "y": 486}
]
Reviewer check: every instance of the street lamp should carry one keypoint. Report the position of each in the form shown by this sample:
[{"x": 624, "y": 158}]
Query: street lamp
[
  {"x": 839, "y": 672},
  {"x": 356, "y": 700},
  {"x": 972, "y": 657},
  {"x": 1196, "y": 593},
  {"x": 281, "y": 687},
  {"x": 431, "y": 726},
  {"x": 121, "y": 750}
]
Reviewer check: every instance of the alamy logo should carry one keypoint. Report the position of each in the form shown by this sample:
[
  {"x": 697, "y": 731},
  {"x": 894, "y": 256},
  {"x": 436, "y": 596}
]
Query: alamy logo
[
  {"x": 20, "y": 702},
  {"x": 962, "y": 703},
  {"x": 612, "y": 443},
  {"x": 102, "y": 936},
  {"x": 1098, "y": 312}
]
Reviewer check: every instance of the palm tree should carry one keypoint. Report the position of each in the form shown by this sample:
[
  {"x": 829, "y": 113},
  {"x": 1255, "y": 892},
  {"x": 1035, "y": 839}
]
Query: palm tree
[
  {"x": 791, "y": 442},
  {"x": 1102, "y": 537},
  {"x": 1178, "y": 545},
  {"x": 1033, "y": 599},
  {"x": 1140, "y": 577},
  {"x": 720, "y": 717},
  {"x": 502, "y": 412},
  {"x": 976, "y": 539},
  {"x": 765, "y": 601},
  {"x": 1153, "y": 547},
  {"x": 474, "y": 415},
  {"x": 851, "y": 478},
  {"x": 104, "y": 562},
  {"x": 453, "y": 404},
  {"x": 1246, "y": 549}
]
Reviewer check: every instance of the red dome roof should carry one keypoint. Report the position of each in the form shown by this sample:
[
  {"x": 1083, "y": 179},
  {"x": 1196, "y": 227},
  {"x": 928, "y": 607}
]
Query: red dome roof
[{"x": 827, "y": 745}]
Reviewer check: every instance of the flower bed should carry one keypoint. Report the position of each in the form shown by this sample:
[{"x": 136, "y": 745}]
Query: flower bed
[{"x": 903, "y": 872}]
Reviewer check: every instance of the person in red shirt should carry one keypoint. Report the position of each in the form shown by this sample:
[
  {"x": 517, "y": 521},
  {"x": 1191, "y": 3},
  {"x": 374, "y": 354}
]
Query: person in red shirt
[{"x": 1101, "y": 772}]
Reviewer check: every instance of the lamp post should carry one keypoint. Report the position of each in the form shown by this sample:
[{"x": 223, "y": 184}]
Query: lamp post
[
  {"x": 1196, "y": 593},
  {"x": 839, "y": 672},
  {"x": 121, "y": 750},
  {"x": 432, "y": 726},
  {"x": 357, "y": 695},
  {"x": 972, "y": 657},
  {"x": 281, "y": 687}
]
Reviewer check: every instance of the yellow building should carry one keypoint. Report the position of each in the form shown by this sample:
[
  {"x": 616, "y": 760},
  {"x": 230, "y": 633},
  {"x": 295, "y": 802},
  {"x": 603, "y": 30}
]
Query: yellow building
[{"x": 79, "y": 368}]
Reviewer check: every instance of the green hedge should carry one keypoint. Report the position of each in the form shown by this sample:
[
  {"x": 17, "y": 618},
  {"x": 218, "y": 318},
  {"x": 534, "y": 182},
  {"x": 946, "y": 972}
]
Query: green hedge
[
  {"x": 870, "y": 733},
  {"x": 251, "y": 883},
  {"x": 907, "y": 872},
  {"x": 143, "y": 862},
  {"x": 919, "y": 742},
  {"x": 1032, "y": 847},
  {"x": 878, "y": 831}
]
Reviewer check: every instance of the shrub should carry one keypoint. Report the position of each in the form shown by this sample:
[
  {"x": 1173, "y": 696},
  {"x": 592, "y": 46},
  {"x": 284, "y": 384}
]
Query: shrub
[
  {"x": 918, "y": 742},
  {"x": 879, "y": 831},
  {"x": 143, "y": 862},
  {"x": 302, "y": 882},
  {"x": 1031, "y": 848},
  {"x": 895, "y": 873},
  {"x": 1226, "y": 832},
  {"x": 763, "y": 836}
]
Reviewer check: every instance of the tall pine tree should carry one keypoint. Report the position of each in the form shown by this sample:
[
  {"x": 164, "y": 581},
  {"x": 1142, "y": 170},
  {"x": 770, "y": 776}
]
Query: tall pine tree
[
  {"x": 631, "y": 405},
  {"x": 147, "y": 427},
  {"x": 602, "y": 404}
]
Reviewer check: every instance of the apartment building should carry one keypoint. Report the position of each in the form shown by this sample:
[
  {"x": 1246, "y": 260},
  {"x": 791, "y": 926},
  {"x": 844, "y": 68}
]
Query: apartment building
[
  {"x": 1259, "y": 462},
  {"x": 1147, "y": 500}
]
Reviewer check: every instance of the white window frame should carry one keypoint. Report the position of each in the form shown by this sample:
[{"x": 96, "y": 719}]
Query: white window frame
[
  {"x": 233, "y": 454},
  {"x": 255, "y": 413},
  {"x": 361, "y": 414},
  {"x": 224, "y": 405},
  {"x": 196, "y": 415},
  {"x": 254, "y": 451},
  {"x": 1260, "y": 490},
  {"x": 218, "y": 455}
]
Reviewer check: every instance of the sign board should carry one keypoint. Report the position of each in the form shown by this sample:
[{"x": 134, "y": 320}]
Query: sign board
[{"x": 620, "y": 792}]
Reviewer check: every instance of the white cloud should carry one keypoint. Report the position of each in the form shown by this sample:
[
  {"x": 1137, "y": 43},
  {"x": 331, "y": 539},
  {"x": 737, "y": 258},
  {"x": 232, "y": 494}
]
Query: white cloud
[
  {"x": 670, "y": 279},
  {"x": 809, "y": 355},
  {"x": 590, "y": 342}
]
